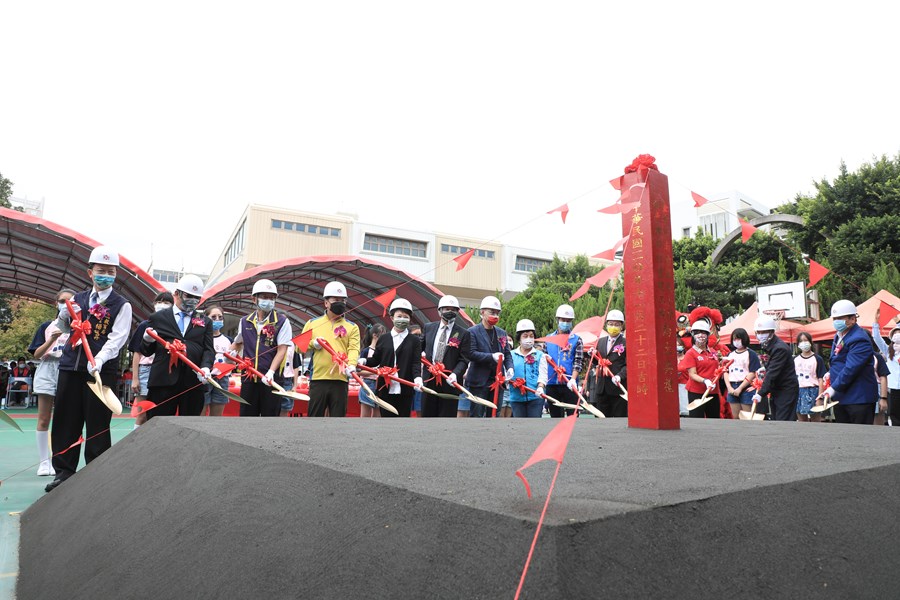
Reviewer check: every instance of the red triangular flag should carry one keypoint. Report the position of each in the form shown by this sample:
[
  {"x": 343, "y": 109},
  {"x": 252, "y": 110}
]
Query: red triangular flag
[
  {"x": 385, "y": 300},
  {"x": 747, "y": 230},
  {"x": 302, "y": 341},
  {"x": 605, "y": 275},
  {"x": 223, "y": 368},
  {"x": 888, "y": 312},
  {"x": 611, "y": 253},
  {"x": 553, "y": 447},
  {"x": 563, "y": 210},
  {"x": 816, "y": 273},
  {"x": 463, "y": 259},
  {"x": 581, "y": 291},
  {"x": 614, "y": 209},
  {"x": 141, "y": 406},
  {"x": 616, "y": 183},
  {"x": 698, "y": 200},
  {"x": 560, "y": 339}
]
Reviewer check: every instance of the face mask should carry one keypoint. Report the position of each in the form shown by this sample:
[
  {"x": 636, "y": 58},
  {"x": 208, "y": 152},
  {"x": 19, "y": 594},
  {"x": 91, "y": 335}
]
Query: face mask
[
  {"x": 565, "y": 326},
  {"x": 401, "y": 323},
  {"x": 265, "y": 305},
  {"x": 21, "y": 365},
  {"x": 701, "y": 338},
  {"x": 804, "y": 346},
  {"x": 527, "y": 343},
  {"x": 492, "y": 319},
  {"x": 62, "y": 306},
  {"x": 217, "y": 325},
  {"x": 840, "y": 325},
  {"x": 189, "y": 304},
  {"x": 738, "y": 344},
  {"x": 161, "y": 306},
  {"x": 680, "y": 349},
  {"x": 448, "y": 315},
  {"x": 763, "y": 337},
  {"x": 338, "y": 308},
  {"x": 614, "y": 330},
  {"x": 103, "y": 281}
]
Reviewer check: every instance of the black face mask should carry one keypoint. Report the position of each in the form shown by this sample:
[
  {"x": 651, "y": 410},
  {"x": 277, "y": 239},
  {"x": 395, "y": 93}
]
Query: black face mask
[
  {"x": 448, "y": 315},
  {"x": 338, "y": 308}
]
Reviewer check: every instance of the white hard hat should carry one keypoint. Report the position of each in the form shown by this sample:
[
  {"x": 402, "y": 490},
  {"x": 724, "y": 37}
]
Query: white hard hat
[
  {"x": 191, "y": 284},
  {"x": 104, "y": 255},
  {"x": 765, "y": 323},
  {"x": 524, "y": 325},
  {"x": 843, "y": 308},
  {"x": 615, "y": 315},
  {"x": 264, "y": 286},
  {"x": 450, "y": 301},
  {"x": 400, "y": 303},
  {"x": 490, "y": 302},
  {"x": 565, "y": 312},
  {"x": 334, "y": 289},
  {"x": 701, "y": 325}
]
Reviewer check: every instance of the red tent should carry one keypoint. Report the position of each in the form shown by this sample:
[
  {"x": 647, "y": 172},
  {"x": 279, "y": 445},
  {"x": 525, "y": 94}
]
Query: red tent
[
  {"x": 824, "y": 329},
  {"x": 787, "y": 330}
]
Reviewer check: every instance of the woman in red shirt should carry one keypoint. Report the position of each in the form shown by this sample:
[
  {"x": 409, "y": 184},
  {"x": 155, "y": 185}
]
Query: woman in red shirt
[{"x": 700, "y": 364}]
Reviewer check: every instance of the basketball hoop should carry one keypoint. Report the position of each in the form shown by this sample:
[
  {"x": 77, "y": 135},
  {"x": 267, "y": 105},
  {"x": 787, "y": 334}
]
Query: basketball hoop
[{"x": 775, "y": 313}]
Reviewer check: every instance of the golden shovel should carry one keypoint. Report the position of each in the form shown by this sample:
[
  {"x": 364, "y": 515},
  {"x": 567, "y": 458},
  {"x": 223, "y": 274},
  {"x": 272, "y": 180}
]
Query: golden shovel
[{"x": 751, "y": 414}]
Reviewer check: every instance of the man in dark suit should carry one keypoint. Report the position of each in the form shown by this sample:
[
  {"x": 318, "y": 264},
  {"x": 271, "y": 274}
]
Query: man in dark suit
[
  {"x": 174, "y": 386},
  {"x": 445, "y": 342},
  {"x": 488, "y": 346},
  {"x": 780, "y": 382},
  {"x": 606, "y": 395},
  {"x": 399, "y": 348}
]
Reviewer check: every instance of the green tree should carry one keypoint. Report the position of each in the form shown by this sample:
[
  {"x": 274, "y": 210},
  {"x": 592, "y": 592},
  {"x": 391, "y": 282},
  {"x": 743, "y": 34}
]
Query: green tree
[
  {"x": 5, "y": 191},
  {"x": 27, "y": 317},
  {"x": 885, "y": 276}
]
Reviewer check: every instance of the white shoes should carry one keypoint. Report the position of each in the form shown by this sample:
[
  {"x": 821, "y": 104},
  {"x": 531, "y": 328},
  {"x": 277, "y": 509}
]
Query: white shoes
[{"x": 45, "y": 468}]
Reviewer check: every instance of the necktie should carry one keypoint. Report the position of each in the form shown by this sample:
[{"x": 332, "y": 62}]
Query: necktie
[
  {"x": 182, "y": 321},
  {"x": 95, "y": 299},
  {"x": 442, "y": 344}
]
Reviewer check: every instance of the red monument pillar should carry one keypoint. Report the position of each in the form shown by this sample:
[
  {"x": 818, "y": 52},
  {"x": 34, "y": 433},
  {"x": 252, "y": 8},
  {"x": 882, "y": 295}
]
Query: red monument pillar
[{"x": 649, "y": 299}]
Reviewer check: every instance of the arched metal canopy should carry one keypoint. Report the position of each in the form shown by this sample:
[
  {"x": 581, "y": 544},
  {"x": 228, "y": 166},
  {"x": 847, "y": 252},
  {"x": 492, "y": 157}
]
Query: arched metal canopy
[
  {"x": 730, "y": 239},
  {"x": 301, "y": 280},
  {"x": 39, "y": 257}
]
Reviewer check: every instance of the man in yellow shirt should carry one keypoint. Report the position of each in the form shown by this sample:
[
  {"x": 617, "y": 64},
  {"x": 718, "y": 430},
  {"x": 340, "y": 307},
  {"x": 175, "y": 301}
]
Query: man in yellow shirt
[{"x": 328, "y": 383}]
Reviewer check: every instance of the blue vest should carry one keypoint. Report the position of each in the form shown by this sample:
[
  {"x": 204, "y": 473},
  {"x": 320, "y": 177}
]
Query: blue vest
[
  {"x": 261, "y": 348},
  {"x": 73, "y": 359},
  {"x": 565, "y": 358},
  {"x": 528, "y": 372}
]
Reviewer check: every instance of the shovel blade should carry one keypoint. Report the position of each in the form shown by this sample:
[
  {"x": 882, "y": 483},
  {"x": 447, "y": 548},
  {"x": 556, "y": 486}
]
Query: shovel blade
[
  {"x": 106, "y": 395},
  {"x": 294, "y": 395},
  {"x": 9, "y": 420}
]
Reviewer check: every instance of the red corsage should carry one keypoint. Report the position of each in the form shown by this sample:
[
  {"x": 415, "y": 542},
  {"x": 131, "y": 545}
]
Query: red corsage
[
  {"x": 340, "y": 332},
  {"x": 529, "y": 360},
  {"x": 453, "y": 342},
  {"x": 99, "y": 312},
  {"x": 197, "y": 322},
  {"x": 502, "y": 341},
  {"x": 269, "y": 332},
  {"x": 619, "y": 349}
]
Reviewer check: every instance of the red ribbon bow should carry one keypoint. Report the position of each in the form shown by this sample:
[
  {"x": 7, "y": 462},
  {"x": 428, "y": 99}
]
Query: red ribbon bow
[
  {"x": 519, "y": 384},
  {"x": 84, "y": 327},
  {"x": 604, "y": 362},
  {"x": 386, "y": 373},
  {"x": 175, "y": 346},
  {"x": 437, "y": 369}
]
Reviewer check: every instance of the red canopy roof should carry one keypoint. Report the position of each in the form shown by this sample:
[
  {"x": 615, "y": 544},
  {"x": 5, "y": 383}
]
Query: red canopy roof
[
  {"x": 824, "y": 329},
  {"x": 301, "y": 280},
  {"x": 787, "y": 330},
  {"x": 39, "y": 257}
]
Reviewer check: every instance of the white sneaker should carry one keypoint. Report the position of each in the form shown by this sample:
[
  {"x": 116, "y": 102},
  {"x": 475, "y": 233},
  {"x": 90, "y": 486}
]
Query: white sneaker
[{"x": 45, "y": 468}]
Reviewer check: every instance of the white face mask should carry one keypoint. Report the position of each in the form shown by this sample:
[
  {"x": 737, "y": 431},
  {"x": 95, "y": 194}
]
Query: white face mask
[
  {"x": 763, "y": 337},
  {"x": 738, "y": 344},
  {"x": 527, "y": 343},
  {"x": 804, "y": 346}
]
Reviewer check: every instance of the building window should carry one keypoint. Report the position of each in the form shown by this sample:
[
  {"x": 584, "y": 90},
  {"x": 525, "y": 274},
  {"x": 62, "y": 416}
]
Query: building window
[
  {"x": 237, "y": 243},
  {"x": 288, "y": 226},
  {"x": 376, "y": 243},
  {"x": 716, "y": 224},
  {"x": 685, "y": 232},
  {"x": 452, "y": 249},
  {"x": 276, "y": 224},
  {"x": 305, "y": 228},
  {"x": 165, "y": 276},
  {"x": 530, "y": 265}
]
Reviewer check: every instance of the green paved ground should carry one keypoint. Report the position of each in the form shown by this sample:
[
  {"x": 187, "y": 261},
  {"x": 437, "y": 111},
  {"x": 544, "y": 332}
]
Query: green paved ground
[{"x": 20, "y": 486}]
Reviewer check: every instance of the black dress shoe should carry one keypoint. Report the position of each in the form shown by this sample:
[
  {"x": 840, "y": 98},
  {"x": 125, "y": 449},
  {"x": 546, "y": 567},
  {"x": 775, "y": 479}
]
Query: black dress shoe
[{"x": 52, "y": 485}]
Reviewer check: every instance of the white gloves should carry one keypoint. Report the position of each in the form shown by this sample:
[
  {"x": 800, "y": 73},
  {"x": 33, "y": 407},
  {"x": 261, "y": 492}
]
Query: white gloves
[
  {"x": 498, "y": 356},
  {"x": 510, "y": 373},
  {"x": 418, "y": 384},
  {"x": 572, "y": 385},
  {"x": 451, "y": 378},
  {"x": 95, "y": 368},
  {"x": 233, "y": 352},
  {"x": 829, "y": 392},
  {"x": 267, "y": 380},
  {"x": 540, "y": 390},
  {"x": 203, "y": 375},
  {"x": 349, "y": 371},
  {"x": 616, "y": 379},
  {"x": 709, "y": 384},
  {"x": 756, "y": 398},
  {"x": 361, "y": 361},
  {"x": 147, "y": 337},
  {"x": 316, "y": 344}
]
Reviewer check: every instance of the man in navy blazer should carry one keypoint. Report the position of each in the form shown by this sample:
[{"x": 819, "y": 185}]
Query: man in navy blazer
[
  {"x": 446, "y": 342},
  {"x": 853, "y": 382},
  {"x": 174, "y": 386},
  {"x": 488, "y": 345}
]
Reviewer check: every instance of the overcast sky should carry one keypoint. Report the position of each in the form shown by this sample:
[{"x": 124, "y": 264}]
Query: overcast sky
[{"x": 156, "y": 123}]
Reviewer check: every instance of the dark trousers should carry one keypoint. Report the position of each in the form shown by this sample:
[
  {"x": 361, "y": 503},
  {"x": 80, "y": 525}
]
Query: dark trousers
[
  {"x": 784, "y": 404},
  {"x": 432, "y": 406},
  {"x": 894, "y": 407},
  {"x": 563, "y": 394},
  {"x": 76, "y": 407},
  {"x": 710, "y": 410},
  {"x": 480, "y": 411},
  {"x": 611, "y": 405},
  {"x": 330, "y": 394},
  {"x": 186, "y": 397},
  {"x": 402, "y": 402},
  {"x": 262, "y": 402},
  {"x": 855, "y": 414}
]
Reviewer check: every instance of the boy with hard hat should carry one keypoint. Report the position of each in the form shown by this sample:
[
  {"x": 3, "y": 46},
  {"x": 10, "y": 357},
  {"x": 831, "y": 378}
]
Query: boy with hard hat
[
  {"x": 403, "y": 350},
  {"x": 853, "y": 382},
  {"x": 780, "y": 382},
  {"x": 606, "y": 394},
  {"x": 263, "y": 336},
  {"x": 76, "y": 407},
  {"x": 446, "y": 342},
  {"x": 328, "y": 386},
  {"x": 173, "y": 387},
  {"x": 568, "y": 356},
  {"x": 488, "y": 346}
]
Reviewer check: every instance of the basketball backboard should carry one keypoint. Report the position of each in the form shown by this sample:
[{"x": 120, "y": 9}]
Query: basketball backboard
[{"x": 789, "y": 297}]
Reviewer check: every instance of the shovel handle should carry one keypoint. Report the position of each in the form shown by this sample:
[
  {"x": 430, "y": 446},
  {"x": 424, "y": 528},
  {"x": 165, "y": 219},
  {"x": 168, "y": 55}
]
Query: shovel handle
[{"x": 84, "y": 343}]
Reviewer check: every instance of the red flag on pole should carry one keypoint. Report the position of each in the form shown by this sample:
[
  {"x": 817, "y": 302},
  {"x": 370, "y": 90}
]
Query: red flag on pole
[
  {"x": 698, "y": 200},
  {"x": 611, "y": 253},
  {"x": 562, "y": 210},
  {"x": 386, "y": 298},
  {"x": 816, "y": 273},
  {"x": 553, "y": 447},
  {"x": 463, "y": 259},
  {"x": 747, "y": 230},
  {"x": 581, "y": 291},
  {"x": 599, "y": 280},
  {"x": 302, "y": 341},
  {"x": 560, "y": 339},
  {"x": 888, "y": 312}
]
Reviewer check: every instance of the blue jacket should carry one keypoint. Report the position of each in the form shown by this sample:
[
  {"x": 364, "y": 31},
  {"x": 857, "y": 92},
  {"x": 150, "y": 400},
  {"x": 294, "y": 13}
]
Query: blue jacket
[
  {"x": 852, "y": 375},
  {"x": 482, "y": 367}
]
